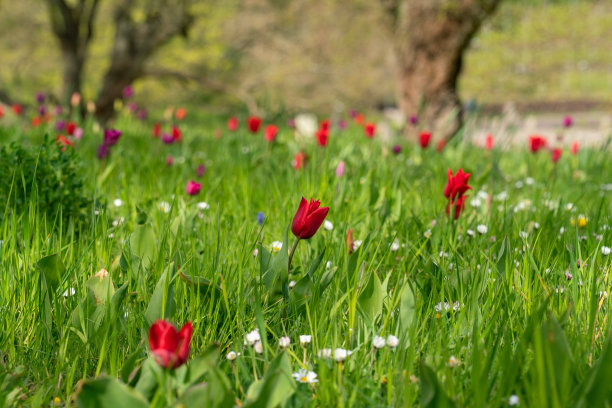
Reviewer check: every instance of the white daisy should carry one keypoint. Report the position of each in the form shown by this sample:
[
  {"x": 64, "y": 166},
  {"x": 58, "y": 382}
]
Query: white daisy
[
  {"x": 252, "y": 337},
  {"x": 202, "y": 205},
  {"x": 513, "y": 401},
  {"x": 258, "y": 347},
  {"x": 231, "y": 355},
  {"x": 276, "y": 246},
  {"x": 341, "y": 354},
  {"x": 164, "y": 207},
  {"x": 117, "y": 202},
  {"x": 378, "y": 342},
  {"x": 325, "y": 353},
  {"x": 284, "y": 342},
  {"x": 392, "y": 341},
  {"x": 328, "y": 225},
  {"x": 305, "y": 340},
  {"x": 395, "y": 245},
  {"x": 305, "y": 377},
  {"x": 482, "y": 229},
  {"x": 605, "y": 250}
]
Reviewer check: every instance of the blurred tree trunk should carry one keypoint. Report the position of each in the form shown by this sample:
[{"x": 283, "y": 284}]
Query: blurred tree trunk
[
  {"x": 136, "y": 41},
  {"x": 73, "y": 27},
  {"x": 430, "y": 37}
]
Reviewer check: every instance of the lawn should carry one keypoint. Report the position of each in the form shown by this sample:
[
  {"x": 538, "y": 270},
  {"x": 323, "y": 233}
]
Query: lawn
[{"x": 398, "y": 304}]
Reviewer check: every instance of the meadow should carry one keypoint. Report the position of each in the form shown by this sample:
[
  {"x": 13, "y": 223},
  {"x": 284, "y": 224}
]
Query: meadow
[{"x": 392, "y": 302}]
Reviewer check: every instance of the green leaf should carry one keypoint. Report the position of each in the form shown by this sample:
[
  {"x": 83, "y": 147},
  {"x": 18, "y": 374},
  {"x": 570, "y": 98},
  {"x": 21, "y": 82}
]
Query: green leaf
[
  {"x": 275, "y": 388},
  {"x": 141, "y": 216},
  {"x": 407, "y": 313},
  {"x": 52, "y": 269},
  {"x": 371, "y": 298},
  {"x": 315, "y": 264},
  {"x": 279, "y": 265},
  {"x": 117, "y": 301},
  {"x": 142, "y": 244},
  {"x": 101, "y": 287},
  {"x": 106, "y": 392},
  {"x": 203, "y": 285},
  {"x": 597, "y": 387},
  {"x": 162, "y": 304},
  {"x": 432, "y": 395},
  {"x": 148, "y": 381}
]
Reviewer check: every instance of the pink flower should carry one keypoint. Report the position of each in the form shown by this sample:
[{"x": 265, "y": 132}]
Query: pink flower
[
  {"x": 193, "y": 188},
  {"x": 340, "y": 169}
]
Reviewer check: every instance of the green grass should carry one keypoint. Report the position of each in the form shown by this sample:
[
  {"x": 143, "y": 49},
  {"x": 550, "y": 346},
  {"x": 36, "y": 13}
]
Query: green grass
[{"x": 513, "y": 332}]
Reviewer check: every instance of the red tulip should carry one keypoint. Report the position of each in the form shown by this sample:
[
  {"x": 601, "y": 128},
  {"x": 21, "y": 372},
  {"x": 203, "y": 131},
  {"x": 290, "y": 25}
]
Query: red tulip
[
  {"x": 193, "y": 188},
  {"x": 254, "y": 123},
  {"x": 324, "y": 125},
  {"x": 489, "y": 142},
  {"x": 350, "y": 241},
  {"x": 456, "y": 185},
  {"x": 424, "y": 138},
  {"x": 232, "y": 124},
  {"x": 169, "y": 347},
  {"x": 1, "y": 112},
  {"x": 299, "y": 160},
  {"x": 440, "y": 146},
  {"x": 322, "y": 137},
  {"x": 156, "y": 129},
  {"x": 64, "y": 142},
  {"x": 536, "y": 143},
  {"x": 70, "y": 128},
  {"x": 176, "y": 134},
  {"x": 369, "y": 130},
  {"x": 458, "y": 204},
  {"x": 17, "y": 109},
  {"x": 556, "y": 155},
  {"x": 575, "y": 148},
  {"x": 270, "y": 133},
  {"x": 308, "y": 218},
  {"x": 36, "y": 121},
  {"x": 180, "y": 113}
]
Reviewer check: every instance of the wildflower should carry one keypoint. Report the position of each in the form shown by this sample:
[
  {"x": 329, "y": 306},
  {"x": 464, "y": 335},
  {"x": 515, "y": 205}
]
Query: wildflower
[
  {"x": 164, "y": 207},
  {"x": 169, "y": 347},
  {"x": 322, "y": 136},
  {"x": 489, "y": 142},
  {"x": 470, "y": 232},
  {"x": 231, "y": 356},
  {"x": 169, "y": 160},
  {"x": 252, "y": 337},
  {"x": 292, "y": 284},
  {"x": 341, "y": 354},
  {"x": 308, "y": 218},
  {"x": 202, "y": 205},
  {"x": 556, "y": 155},
  {"x": 536, "y": 143},
  {"x": 78, "y": 133},
  {"x": 325, "y": 353},
  {"x": 253, "y": 123},
  {"x": 258, "y": 347},
  {"x": 167, "y": 138},
  {"x": 328, "y": 265},
  {"x": 200, "y": 170},
  {"x": 176, "y": 134},
  {"x": 156, "y": 129},
  {"x": 305, "y": 340},
  {"x": 270, "y": 133},
  {"x": 260, "y": 218},
  {"x": 340, "y": 169},
  {"x": 232, "y": 124},
  {"x": 128, "y": 92},
  {"x": 568, "y": 275},
  {"x": 567, "y": 121},
  {"x": 369, "y": 130},
  {"x": 299, "y": 160},
  {"x": 413, "y": 120},
  {"x": 284, "y": 342},
  {"x": 605, "y": 250},
  {"x": 452, "y": 361},
  {"x": 305, "y": 377},
  {"x": 392, "y": 341},
  {"x": 424, "y": 139},
  {"x": 378, "y": 342},
  {"x": 328, "y": 225},
  {"x": 427, "y": 234},
  {"x": 111, "y": 136},
  {"x": 475, "y": 202},
  {"x": 574, "y": 149},
  {"x": 395, "y": 245},
  {"x": 397, "y": 149},
  {"x": 193, "y": 188},
  {"x": 180, "y": 113},
  {"x": 276, "y": 246},
  {"x": 17, "y": 109},
  {"x": 482, "y": 229},
  {"x": 513, "y": 401},
  {"x": 117, "y": 202},
  {"x": 69, "y": 292}
]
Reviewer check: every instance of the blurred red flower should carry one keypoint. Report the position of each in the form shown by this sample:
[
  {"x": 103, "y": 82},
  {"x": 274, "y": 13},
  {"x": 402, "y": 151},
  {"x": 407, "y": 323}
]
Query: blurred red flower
[
  {"x": 169, "y": 347},
  {"x": 424, "y": 138},
  {"x": 253, "y": 123}
]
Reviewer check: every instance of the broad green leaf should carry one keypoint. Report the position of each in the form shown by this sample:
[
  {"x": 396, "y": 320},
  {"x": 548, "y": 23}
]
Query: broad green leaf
[
  {"x": 371, "y": 298},
  {"x": 106, "y": 392},
  {"x": 162, "y": 304},
  {"x": 52, "y": 268},
  {"x": 432, "y": 395},
  {"x": 117, "y": 301},
  {"x": 407, "y": 313},
  {"x": 275, "y": 388},
  {"x": 315, "y": 264},
  {"x": 142, "y": 244},
  {"x": 101, "y": 287}
]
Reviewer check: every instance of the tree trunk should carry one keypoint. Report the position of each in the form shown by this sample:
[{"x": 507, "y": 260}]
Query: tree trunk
[
  {"x": 134, "y": 43},
  {"x": 73, "y": 70},
  {"x": 430, "y": 39}
]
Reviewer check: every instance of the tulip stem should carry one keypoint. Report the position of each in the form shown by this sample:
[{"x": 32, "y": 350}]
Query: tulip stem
[{"x": 291, "y": 255}]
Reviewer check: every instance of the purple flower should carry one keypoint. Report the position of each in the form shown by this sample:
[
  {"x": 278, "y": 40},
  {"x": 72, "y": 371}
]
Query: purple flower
[
  {"x": 57, "y": 110},
  {"x": 40, "y": 97},
  {"x": 201, "y": 170},
  {"x": 142, "y": 114},
  {"x": 133, "y": 107},
  {"x": 111, "y": 136},
  {"x": 42, "y": 110},
  {"x": 414, "y": 120},
  {"x": 260, "y": 217},
  {"x": 103, "y": 151},
  {"x": 60, "y": 125},
  {"x": 167, "y": 138},
  {"x": 567, "y": 121},
  {"x": 342, "y": 124},
  {"x": 397, "y": 149},
  {"x": 128, "y": 92},
  {"x": 353, "y": 113},
  {"x": 291, "y": 123}
]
